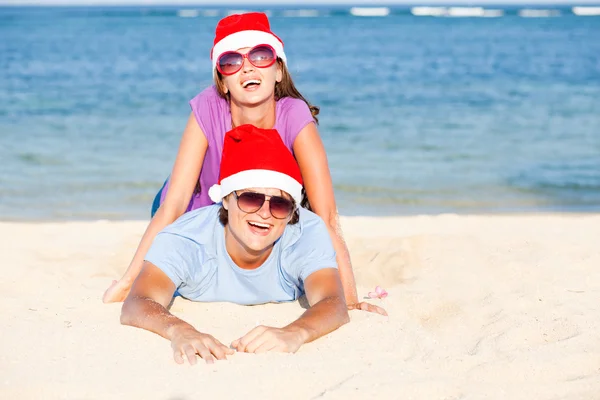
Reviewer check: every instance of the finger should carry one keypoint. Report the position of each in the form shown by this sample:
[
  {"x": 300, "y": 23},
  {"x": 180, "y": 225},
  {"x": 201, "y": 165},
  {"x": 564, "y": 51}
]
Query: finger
[
  {"x": 178, "y": 356},
  {"x": 190, "y": 353},
  {"x": 205, "y": 353},
  {"x": 248, "y": 337},
  {"x": 364, "y": 306},
  {"x": 381, "y": 311},
  {"x": 266, "y": 346},
  {"x": 219, "y": 350},
  {"x": 226, "y": 349},
  {"x": 259, "y": 341}
]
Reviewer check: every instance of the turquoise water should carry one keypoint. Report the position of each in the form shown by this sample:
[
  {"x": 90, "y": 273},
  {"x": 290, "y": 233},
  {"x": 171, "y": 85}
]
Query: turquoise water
[{"x": 418, "y": 114}]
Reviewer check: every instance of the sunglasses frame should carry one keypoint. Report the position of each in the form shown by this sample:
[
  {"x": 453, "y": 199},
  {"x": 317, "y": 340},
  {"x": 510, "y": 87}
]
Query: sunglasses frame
[
  {"x": 266, "y": 198},
  {"x": 246, "y": 56}
]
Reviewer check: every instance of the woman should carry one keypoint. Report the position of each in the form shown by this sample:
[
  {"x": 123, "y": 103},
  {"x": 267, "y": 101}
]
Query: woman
[{"x": 252, "y": 86}]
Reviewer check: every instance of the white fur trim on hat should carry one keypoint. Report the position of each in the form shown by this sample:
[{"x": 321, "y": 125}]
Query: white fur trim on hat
[
  {"x": 257, "y": 178},
  {"x": 242, "y": 39}
]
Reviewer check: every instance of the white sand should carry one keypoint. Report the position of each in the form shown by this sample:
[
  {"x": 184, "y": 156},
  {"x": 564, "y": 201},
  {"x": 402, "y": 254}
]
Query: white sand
[{"x": 481, "y": 307}]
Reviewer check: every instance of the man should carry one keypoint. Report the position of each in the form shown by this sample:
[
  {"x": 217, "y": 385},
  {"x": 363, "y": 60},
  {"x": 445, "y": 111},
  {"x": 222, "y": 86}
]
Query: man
[{"x": 256, "y": 247}]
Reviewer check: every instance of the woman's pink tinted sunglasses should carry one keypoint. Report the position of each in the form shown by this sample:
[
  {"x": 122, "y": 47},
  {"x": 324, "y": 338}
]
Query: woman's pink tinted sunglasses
[{"x": 261, "y": 56}]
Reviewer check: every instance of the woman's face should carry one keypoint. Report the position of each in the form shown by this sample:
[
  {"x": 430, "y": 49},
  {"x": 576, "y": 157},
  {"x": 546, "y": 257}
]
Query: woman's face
[{"x": 252, "y": 85}]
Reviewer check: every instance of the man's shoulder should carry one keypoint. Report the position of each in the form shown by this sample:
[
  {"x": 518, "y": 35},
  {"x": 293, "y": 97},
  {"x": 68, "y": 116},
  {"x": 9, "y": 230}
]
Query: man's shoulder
[
  {"x": 309, "y": 229},
  {"x": 198, "y": 225}
]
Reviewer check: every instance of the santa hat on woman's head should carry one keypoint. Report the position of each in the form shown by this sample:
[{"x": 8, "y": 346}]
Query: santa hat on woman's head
[
  {"x": 244, "y": 30},
  {"x": 256, "y": 158}
]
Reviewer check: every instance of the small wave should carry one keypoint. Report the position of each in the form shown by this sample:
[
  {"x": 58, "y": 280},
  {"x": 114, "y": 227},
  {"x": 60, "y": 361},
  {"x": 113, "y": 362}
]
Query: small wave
[
  {"x": 428, "y": 11},
  {"x": 210, "y": 13},
  {"x": 300, "y": 13},
  {"x": 370, "y": 11},
  {"x": 456, "y": 12},
  {"x": 465, "y": 12},
  {"x": 536, "y": 13},
  {"x": 188, "y": 13},
  {"x": 586, "y": 11}
]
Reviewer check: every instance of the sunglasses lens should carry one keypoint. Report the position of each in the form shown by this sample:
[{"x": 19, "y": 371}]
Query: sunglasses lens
[
  {"x": 250, "y": 202},
  {"x": 230, "y": 63},
  {"x": 281, "y": 207},
  {"x": 261, "y": 56}
]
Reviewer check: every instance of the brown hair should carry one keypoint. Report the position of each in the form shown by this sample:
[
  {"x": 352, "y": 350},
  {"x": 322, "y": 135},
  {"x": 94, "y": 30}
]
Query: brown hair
[
  {"x": 285, "y": 88},
  {"x": 224, "y": 216}
]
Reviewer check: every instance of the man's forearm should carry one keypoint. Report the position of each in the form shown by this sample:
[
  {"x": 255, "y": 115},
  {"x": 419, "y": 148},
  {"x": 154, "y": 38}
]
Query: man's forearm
[
  {"x": 324, "y": 317},
  {"x": 145, "y": 313}
]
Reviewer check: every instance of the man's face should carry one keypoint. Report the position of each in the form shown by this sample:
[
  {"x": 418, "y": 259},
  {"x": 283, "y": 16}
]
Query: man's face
[{"x": 255, "y": 232}]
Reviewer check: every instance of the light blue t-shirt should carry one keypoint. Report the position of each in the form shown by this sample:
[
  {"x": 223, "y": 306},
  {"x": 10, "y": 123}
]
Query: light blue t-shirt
[{"x": 191, "y": 252}]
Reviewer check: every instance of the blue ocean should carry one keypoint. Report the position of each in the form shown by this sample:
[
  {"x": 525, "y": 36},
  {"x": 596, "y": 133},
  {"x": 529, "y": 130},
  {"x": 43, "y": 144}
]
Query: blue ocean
[{"x": 419, "y": 114}]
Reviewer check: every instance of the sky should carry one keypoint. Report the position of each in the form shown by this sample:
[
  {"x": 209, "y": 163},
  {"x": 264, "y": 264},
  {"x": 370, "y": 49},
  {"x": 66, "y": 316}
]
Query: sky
[{"x": 297, "y": 3}]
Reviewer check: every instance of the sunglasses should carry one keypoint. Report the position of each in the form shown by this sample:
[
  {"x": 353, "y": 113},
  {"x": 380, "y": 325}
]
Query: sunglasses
[
  {"x": 261, "y": 56},
  {"x": 251, "y": 202}
]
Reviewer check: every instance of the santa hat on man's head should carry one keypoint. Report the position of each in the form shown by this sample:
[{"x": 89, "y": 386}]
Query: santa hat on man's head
[
  {"x": 244, "y": 30},
  {"x": 256, "y": 158}
]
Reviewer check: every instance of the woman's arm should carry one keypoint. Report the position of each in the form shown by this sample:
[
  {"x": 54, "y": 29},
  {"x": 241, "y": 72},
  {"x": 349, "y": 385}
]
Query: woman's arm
[
  {"x": 184, "y": 178},
  {"x": 312, "y": 159}
]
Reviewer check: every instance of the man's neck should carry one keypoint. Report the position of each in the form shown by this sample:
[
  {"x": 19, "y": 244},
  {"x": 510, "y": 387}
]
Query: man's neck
[
  {"x": 241, "y": 255},
  {"x": 260, "y": 115}
]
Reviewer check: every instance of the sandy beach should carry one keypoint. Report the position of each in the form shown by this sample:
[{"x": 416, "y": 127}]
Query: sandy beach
[{"x": 480, "y": 307}]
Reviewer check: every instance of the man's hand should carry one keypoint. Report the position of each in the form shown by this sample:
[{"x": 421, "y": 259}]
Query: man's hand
[
  {"x": 367, "y": 307},
  {"x": 264, "y": 338},
  {"x": 188, "y": 341}
]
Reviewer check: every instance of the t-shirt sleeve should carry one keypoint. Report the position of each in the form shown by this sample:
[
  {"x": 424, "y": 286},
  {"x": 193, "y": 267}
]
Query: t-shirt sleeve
[
  {"x": 312, "y": 251},
  {"x": 205, "y": 105},
  {"x": 297, "y": 116},
  {"x": 176, "y": 256}
]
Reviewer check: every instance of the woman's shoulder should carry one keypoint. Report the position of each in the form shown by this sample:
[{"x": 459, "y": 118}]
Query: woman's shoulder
[
  {"x": 206, "y": 105},
  {"x": 208, "y": 97},
  {"x": 292, "y": 116},
  {"x": 292, "y": 104}
]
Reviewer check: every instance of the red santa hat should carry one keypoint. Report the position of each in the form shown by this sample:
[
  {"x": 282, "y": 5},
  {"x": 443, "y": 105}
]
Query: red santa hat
[
  {"x": 244, "y": 30},
  {"x": 256, "y": 158}
]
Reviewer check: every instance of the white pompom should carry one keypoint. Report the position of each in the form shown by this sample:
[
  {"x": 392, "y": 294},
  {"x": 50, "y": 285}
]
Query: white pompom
[{"x": 215, "y": 193}]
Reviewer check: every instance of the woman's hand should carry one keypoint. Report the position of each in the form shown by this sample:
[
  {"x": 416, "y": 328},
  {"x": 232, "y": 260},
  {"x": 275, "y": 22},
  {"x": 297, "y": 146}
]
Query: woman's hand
[
  {"x": 265, "y": 338},
  {"x": 117, "y": 291},
  {"x": 188, "y": 341},
  {"x": 364, "y": 306}
]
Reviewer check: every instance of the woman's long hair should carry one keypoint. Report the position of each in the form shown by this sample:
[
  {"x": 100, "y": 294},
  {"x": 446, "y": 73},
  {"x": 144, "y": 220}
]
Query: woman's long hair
[{"x": 285, "y": 88}]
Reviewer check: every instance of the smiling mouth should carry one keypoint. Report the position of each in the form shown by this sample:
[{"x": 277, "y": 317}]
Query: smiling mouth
[
  {"x": 259, "y": 227},
  {"x": 251, "y": 83}
]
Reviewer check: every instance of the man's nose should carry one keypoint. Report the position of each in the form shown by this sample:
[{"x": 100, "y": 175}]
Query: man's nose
[{"x": 265, "y": 210}]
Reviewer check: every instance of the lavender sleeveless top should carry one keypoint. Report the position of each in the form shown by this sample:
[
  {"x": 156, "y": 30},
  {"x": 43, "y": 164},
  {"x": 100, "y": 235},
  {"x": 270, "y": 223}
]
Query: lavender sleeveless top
[{"x": 213, "y": 114}]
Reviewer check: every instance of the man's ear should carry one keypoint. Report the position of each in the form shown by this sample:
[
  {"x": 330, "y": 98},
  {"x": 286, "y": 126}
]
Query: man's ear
[{"x": 225, "y": 202}]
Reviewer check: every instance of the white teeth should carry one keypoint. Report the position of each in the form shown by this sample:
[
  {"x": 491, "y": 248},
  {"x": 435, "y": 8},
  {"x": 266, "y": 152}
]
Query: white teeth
[
  {"x": 249, "y": 81},
  {"x": 259, "y": 224}
]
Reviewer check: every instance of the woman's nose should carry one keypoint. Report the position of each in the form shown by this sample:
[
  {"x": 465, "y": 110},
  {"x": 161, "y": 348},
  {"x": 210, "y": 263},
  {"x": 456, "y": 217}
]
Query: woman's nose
[{"x": 247, "y": 65}]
